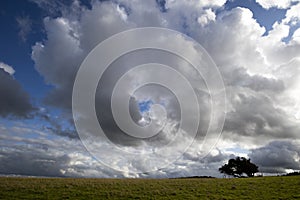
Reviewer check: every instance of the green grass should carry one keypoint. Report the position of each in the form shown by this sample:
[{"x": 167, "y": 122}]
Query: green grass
[{"x": 70, "y": 188}]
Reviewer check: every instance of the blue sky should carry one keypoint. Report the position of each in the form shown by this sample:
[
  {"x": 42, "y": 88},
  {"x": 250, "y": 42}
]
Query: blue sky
[
  {"x": 46, "y": 41},
  {"x": 265, "y": 18},
  {"x": 16, "y": 52}
]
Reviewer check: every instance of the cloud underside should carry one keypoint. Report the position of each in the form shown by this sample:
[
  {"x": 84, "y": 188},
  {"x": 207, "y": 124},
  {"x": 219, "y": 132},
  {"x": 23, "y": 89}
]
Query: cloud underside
[
  {"x": 260, "y": 72},
  {"x": 14, "y": 101}
]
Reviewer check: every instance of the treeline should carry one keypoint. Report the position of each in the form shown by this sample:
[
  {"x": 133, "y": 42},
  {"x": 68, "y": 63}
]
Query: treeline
[{"x": 292, "y": 174}]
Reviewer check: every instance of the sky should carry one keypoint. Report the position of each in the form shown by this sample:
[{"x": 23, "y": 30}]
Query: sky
[{"x": 245, "y": 100}]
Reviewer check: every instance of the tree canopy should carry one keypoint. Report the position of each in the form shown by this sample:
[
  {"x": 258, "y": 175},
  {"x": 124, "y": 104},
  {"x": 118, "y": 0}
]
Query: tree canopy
[{"x": 239, "y": 166}]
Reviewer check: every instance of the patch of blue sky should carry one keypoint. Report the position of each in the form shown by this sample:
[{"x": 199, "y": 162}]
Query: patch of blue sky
[
  {"x": 144, "y": 106},
  {"x": 16, "y": 52},
  {"x": 21, "y": 128},
  {"x": 293, "y": 28},
  {"x": 238, "y": 151},
  {"x": 264, "y": 17}
]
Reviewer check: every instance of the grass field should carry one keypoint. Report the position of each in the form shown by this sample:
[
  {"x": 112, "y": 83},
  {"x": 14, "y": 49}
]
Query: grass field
[{"x": 70, "y": 188}]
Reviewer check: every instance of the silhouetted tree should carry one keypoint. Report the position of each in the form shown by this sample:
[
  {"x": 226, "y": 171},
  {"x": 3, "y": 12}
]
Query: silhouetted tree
[{"x": 239, "y": 166}]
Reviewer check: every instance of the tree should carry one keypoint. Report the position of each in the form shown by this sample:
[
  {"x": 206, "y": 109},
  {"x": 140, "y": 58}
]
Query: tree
[{"x": 239, "y": 166}]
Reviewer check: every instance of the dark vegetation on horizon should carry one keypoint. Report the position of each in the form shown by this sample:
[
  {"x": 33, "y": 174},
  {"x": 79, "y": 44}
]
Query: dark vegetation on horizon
[{"x": 292, "y": 174}]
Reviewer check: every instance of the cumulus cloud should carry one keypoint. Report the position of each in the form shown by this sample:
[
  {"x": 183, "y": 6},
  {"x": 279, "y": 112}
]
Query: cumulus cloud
[
  {"x": 207, "y": 17},
  {"x": 277, "y": 156},
  {"x": 284, "y": 4},
  {"x": 261, "y": 73},
  {"x": 14, "y": 101},
  {"x": 257, "y": 119}
]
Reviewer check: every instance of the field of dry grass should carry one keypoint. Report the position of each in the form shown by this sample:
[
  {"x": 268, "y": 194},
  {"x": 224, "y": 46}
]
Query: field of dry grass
[{"x": 71, "y": 188}]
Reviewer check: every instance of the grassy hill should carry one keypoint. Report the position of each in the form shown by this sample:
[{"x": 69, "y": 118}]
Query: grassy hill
[{"x": 69, "y": 188}]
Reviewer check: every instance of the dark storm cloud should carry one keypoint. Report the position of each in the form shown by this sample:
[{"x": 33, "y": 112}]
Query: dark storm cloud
[
  {"x": 256, "y": 116},
  {"x": 14, "y": 101},
  {"x": 32, "y": 163},
  {"x": 37, "y": 156},
  {"x": 277, "y": 156},
  {"x": 59, "y": 129},
  {"x": 106, "y": 86},
  {"x": 62, "y": 125},
  {"x": 239, "y": 77}
]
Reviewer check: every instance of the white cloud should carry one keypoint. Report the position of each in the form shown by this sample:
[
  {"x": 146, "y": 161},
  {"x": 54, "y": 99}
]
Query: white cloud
[
  {"x": 205, "y": 19},
  {"x": 198, "y": 4},
  {"x": 292, "y": 14},
  {"x": 261, "y": 72},
  {"x": 7, "y": 68},
  {"x": 296, "y": 36},
  {"x": 282, "y": 4},
  {"x": 25, "y": 26}
]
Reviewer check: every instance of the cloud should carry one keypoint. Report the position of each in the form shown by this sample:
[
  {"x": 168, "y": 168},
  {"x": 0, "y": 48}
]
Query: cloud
[
  {"x": 77, "y": 36},
  {"x": 261, "y": 94},
  {"x": 55, "y": 7},
  {"x": 205, "y": 19},
  {"x": 14, "y": 101},
  {"x": 196, "y": 4},
  {"x": 284, "y": 4},
  {"x": 261, "y": 73},
  {"x": 7, "y": 68},
  {"x": 277, "y": 156},
  {"x": 27, "y": 151},
  {"x": 255, "y": 118},
  {"x": 25, "y": 27},
  {"x": 56, "y": 126},
  {"x": 239, "y": 77}
]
